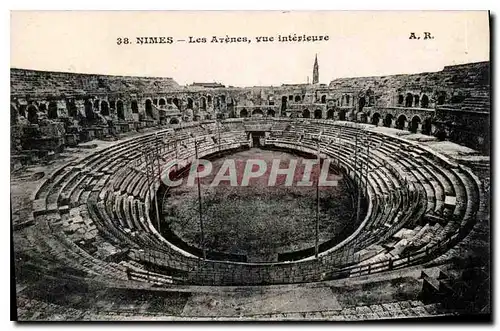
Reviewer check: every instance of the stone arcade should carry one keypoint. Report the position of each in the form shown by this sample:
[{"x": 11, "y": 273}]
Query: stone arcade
[{"x": 50, "y": 110}]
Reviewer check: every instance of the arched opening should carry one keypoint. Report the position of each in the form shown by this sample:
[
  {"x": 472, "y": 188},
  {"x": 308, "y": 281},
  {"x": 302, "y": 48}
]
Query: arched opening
[
  {"x": 401, "y": 99},
  {"x": 104, "y": 108},
  {"x": 441, "y": 99},
  {"x": 416, "y": 100},
  {"x": 162, "y": 102},
  {"x": 135, "y": 106},
  {"x": 401, "y": 122},
  {"x": 177, "y": 103},
  {"x": 297, "y": 98},
  {"x": 284, "y": 100},
  {"x": 425, "y": 101},
  {"x": 203, "y": 103},
  {"x": 174, "y": 120},
  {"x": 330, "y": 114},
  {"x": 306, "y": 113},
  {"x": 244, "y": 113},
  {"x": 323, "y": 99},
  {"x": 22, "y": 111},
  {"x": 347, "y": 100},
  {"x": 190, "y": 103},
  {"x": 271, "y": 113},
  {"x": 43, "y": 108},
  {"x": 13, "y": 115},
  {"x": 257, "y": 113},
  {"x": 52, "y": 113},
  {"x": 119, "y": 110},
  {"x": 361, "y": 103},
  {"x": 376, "y": 119},
  {"x": 388, "y": 120},
  {"x": 96, "y": 104},
  {"x": 415, "y": 121},
  {"x": 409, "y": 100},
  {"x": 342, "y": 113},
  {"x": 209, "y": 99},
  {"x": 318, "y": 114},
  {"x": 32, "y": 114},
  {"x": 71, "y": 107},
  {"x": 89, "y": 111},
  {"x": 149, "y": 108},
  {"x": 427, "y": 126}
]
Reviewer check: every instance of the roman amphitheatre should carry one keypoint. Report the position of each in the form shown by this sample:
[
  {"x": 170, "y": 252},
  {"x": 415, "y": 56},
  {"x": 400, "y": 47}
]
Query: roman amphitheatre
[{"x": 97, "y": 235}]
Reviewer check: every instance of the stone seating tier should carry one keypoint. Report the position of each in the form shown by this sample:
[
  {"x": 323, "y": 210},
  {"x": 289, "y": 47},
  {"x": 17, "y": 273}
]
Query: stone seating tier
[{"x": 117, "y": 197}]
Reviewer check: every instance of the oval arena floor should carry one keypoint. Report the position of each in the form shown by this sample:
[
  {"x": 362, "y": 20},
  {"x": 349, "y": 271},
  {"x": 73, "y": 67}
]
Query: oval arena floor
[
  {"x": 259, "y": 221},
  {"x": 92, "y": 248}
]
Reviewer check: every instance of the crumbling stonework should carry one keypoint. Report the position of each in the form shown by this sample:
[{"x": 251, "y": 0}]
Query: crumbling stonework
[{"x": 64, "y": 109}]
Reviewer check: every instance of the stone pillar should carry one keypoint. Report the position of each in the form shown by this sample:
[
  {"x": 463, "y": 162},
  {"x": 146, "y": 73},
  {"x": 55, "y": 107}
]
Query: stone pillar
[
  {"x": 80, "y": 107},
  {"x": 433, "y": 129},
  {"x": 61, "y": 108},
  {"x": 141, "y": 105},
  {"x": 393, "y": 123},
  {"x": 405, "y": 126},
  {"x": 419, "y": 128},
  {"x": 155, "y": 112},
  {"x": 349, "y": 116},
  {"x": 127, "y": 110}
]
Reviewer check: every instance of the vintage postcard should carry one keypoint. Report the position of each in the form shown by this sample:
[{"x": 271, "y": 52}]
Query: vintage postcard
[{"x": 250, "y": 166}]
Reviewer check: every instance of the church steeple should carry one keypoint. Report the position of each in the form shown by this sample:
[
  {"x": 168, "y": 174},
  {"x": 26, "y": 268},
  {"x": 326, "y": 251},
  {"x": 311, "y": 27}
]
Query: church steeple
[{"x": 316, "y": 71}]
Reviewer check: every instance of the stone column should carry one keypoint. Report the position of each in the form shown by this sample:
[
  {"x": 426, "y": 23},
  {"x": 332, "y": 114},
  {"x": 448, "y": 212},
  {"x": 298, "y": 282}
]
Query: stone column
[
  {"x": 61, "y": 108},
  {"x": 419, "y": 128},
  {"x": 141, "y": 106},
  {"x": 80, "y": 107},
  {"x": 433, "y": 129},
  {"x": 127, "y": 110},
  {"x": 405, "y": 126}
]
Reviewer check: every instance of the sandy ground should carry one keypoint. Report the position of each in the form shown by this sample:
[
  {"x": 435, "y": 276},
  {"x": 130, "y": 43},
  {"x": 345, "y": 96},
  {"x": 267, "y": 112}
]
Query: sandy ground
[{"x": 258, "y": 221}]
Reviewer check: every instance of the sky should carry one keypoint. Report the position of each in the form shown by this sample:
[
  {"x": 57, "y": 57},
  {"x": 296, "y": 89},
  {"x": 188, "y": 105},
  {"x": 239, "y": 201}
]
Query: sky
[{"x": 369, "y": 43}]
